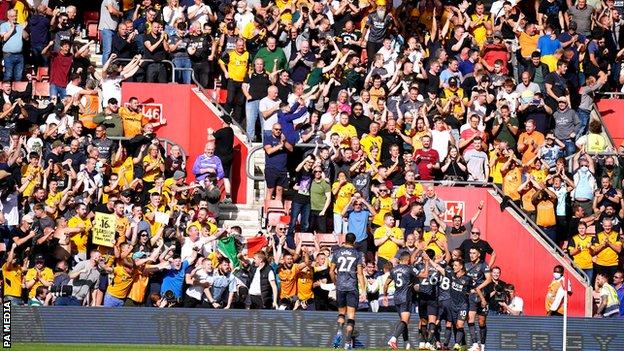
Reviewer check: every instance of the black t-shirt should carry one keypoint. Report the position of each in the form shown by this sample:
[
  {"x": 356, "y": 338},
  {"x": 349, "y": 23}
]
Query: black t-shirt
[
  {"x": 259, "y": 84},
  {"x": 19, "y": 250},
  {"x": 159, "y": 53},
  {"x": 387, "y": 139},
  {"x": 482, "y": 246},
  {"x": 283, "y": 90},
  {"x": 224, "y": 143},
  {"x": 397, "y": 176},
  {"x": 361, "y": 123}
]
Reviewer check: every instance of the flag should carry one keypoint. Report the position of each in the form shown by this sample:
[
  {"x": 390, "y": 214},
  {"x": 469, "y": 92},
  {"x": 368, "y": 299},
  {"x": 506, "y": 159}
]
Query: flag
[
  {"x": 255, "y": 244},
  {"x": 227, "y": 247}
]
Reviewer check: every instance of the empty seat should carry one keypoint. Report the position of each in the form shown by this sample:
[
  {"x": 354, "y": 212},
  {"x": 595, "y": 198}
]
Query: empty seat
[
  {"x": 306, "y": 239},
  {"x": 43, "y": 74},
  {"x": 41, "y": 89},
  {"x": 20, "y": 86}
]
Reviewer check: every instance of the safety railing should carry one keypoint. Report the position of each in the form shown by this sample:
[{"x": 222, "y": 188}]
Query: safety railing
[{"x": 253, "y": 150}]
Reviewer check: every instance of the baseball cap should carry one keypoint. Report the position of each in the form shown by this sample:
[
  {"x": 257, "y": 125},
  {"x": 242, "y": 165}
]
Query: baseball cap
[
  {"x": 28, "y": 218},
  {"x": 138, "y": 255},
  {"x": 126, "y": 193},
  {"x": 57, "y": 143},
  {"x": 39, "y": 258},
  {"x": 573, "y": 25},
  {"x": 177, "y": 175},
  {"x": 498, "y": 34},
  {"x": 452, "y": 81}
]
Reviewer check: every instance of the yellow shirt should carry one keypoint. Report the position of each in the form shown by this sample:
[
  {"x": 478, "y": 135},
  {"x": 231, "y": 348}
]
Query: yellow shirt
[
  {"x": 282, "y": 4},
  {"x": 369, "y": 141},
  {"x": 584, "y": 258},
  {"x": 32, "y": 171},
  {"x": 53, "y": 199},
  {"x": 434, "y": 245},
  {"x": 528, "y": 44},
  {"x": 388, "y": 249},
  {"x": 22, "y": 13},
  {"x": 346, "y": 132},
  {"x": 545, "y": 214},
  {"x": 511, "y": 182},
  {"x": 80, "y": 240},
  {"x": 12, "y": 280},
  {"x": 495, "y": 170},
  {"x": 607, "y": 257},
  {"x": 385, "y": 206},
  {"x": 288, "y": 278},
  {"x": 46, "y": 274},
  {"x": 151, "y": 175},
  {"x": 344, "y": 195},
  {"x": 237, "y": 64},
  {"x": 419, "y": 190},
  {"x": 121, "y": 284},
  {"x": 304, "y": 284},
  {"x": 480, "y": 32},
  {"x": 125, "y": 177},
  {"x": 132, "y": 122},
  {"x": 416, "y": 143}
]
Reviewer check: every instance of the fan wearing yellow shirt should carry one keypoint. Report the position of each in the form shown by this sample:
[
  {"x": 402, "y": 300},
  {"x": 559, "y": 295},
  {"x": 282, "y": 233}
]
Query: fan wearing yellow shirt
[
  {"x": 79, "y": 241},
  {"x": 342, "y": 189},
  {"x": 120, "y": 286},
  {"x": 344, "y": 129},
  {"x": 153, "y": 165},
  {"x": 606, "y": 246},
  {"x": 371, "y": 140},
  {"x": 579, "y": 248},
  {"x": 39, "y": 275},
  {"x": 410, "y": 177},
  {"x": 434, "y": 239},
  {"x": 388, "y": 240},
  {"x": 132, "y": 117},
  {"x": 13, "y": 274},
  {"x": 31, "y": 174},
  {"x": 383, "y": 204}
]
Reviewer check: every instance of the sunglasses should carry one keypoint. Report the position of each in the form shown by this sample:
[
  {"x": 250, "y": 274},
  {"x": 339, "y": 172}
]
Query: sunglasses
[
  {"x": 475, "y": 233},
  {"x": 277, "y": 130}
]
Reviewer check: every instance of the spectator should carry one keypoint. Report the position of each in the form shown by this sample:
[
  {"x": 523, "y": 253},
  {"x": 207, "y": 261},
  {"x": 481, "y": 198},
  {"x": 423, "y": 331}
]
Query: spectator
[
  {"x": 357, "y": 213},
  {"x": 555, "y": 293},
  {"x": 606, "y": 245},
  {"x": 609, "y": 305},
  {"x": 276, "y": 148},
  {"x": 234, "y": 66},
  {"x": 208, "y": 164},
  {"x": 12, "y": 34},
  {"x": 320, "y": 199},
  {"x": 263, "y": 289},
  {"x": 618, "y": 284},
  {"x": 255, "y": 88},
  {"x": 109, "y": 18},
  {"x": 110, "y": 119},
  {"x": 388, "y": 240},
  {"x": 156, "y": 49}
]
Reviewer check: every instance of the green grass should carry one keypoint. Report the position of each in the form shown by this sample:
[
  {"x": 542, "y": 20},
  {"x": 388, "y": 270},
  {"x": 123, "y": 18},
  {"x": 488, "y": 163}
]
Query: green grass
[{"x": 127, "y": 347}]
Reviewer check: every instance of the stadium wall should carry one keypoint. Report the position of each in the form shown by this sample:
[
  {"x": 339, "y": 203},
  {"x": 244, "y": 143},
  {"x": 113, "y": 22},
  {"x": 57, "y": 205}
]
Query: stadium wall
[
  {"x": 282, "y": 328},
  {"x": 611, "y": 114},
  {"x": 525, "y": 261},
  {"x": 188, "y": 116}
]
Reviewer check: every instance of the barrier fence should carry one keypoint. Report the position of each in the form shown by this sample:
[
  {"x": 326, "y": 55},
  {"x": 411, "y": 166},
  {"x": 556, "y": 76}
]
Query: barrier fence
[{"x": 283, "y": 328}]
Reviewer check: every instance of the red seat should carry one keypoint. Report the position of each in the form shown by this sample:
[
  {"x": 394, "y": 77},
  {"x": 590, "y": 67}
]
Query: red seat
[
  {"x": 92, "y": 31},
  {"x": 273, "y": 219},
  {"x": 90, "y": 17},
  {"x": 306, "y": 239},
  {"x": 43, "y": 74},
  {"x": 20, "y": 86},
  {"x": 329, "y": 240},
  {"x": 41, "y": 89}
]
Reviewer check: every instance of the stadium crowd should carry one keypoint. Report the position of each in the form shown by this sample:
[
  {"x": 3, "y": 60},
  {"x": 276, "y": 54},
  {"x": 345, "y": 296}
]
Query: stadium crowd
[{"x": 359, "y": 106}]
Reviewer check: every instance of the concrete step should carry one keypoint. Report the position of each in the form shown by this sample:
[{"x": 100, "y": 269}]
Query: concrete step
[
  {"x": 250, "y": 228},
  {"x": 244, "y": 215}
]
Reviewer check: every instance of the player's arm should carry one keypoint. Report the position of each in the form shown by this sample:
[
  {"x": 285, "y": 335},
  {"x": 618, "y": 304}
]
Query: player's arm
[
  {"x": 385, "y": 289},
  {"x": 435, "y": 266},
  {"x": 488, "y": 280},
  {"x": 332, "y": 272},
  {"x": 362, "y": 282},
  {"x": 481, "y": 297}
]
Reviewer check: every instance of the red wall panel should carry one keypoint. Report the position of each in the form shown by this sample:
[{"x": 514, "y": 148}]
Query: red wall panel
[
  {"x": 523, "y": 260},
  {"x": 611, "y": 112},
  {"x": 187, "y": 121}
]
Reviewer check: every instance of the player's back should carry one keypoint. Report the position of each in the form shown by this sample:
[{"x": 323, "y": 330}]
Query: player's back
[
  {"x": 444, "y": 285},
  {"x": 427, "y": 286},
  {"x": 403, "y": 276},
  {"x": 347, "y": 260}
]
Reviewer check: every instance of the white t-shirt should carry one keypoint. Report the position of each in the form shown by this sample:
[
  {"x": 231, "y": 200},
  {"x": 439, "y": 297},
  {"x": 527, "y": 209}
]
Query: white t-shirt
[
  {"x": 292, "y": 98},
  {"x": 111, "y": 88},
  {"x": 170, "y": 15},
  {"x": 255, "y": 287},
  {"x": 62, "y": 126},
  {"x": 197, "y": 291},
  {"x": 8, "y": 207},
  {"x": 327, "y": 118},
  {"x": 202, "y": 15},
  {"x": 440, "y": 142},
  {"x": 267, "y": 104}
]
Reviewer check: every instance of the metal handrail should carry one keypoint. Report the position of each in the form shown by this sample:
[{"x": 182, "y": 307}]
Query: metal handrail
[
  {"x": 257, "y": 148},
  {"x": 535, "y": 227},
  {"x": 151, "y": 61}
]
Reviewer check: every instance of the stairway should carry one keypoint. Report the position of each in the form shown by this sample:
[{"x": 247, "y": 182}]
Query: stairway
[{"x": 245, "y": 216}]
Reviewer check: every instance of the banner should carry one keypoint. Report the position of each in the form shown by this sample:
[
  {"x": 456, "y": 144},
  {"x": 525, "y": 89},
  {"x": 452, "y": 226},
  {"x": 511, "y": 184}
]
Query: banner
[{"x": 104, "y": 229}]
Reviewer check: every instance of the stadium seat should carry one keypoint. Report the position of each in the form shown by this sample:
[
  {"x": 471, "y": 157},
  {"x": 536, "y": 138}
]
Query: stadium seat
[
  {"x": 90, "y": 17},
  {"x": 306, "y": 239},
  {"x": 20, "y": 86},
  {"x": 92, "y": 31},
  {"x": 43, "y": 74},
  {"x": 41, "y": 89},
  {"x": 329, "y": 239}
]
